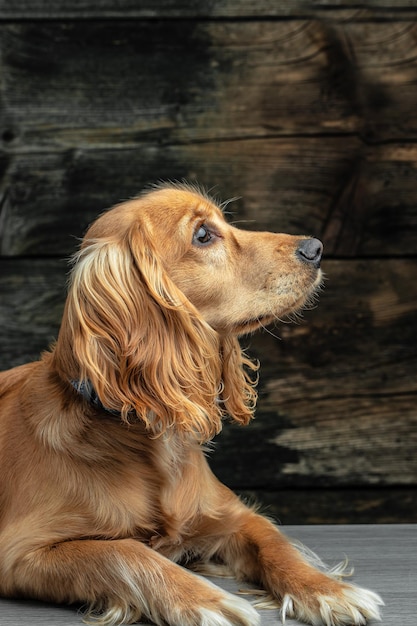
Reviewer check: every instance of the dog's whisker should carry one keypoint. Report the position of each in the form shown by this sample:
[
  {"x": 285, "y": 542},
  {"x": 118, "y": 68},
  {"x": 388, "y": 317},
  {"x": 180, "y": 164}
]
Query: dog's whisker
[{"x": 269, "y": 331}]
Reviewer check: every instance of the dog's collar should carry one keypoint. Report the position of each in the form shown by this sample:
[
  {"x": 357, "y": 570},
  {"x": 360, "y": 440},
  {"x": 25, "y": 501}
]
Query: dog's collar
[{"x": 87, "y": 391}]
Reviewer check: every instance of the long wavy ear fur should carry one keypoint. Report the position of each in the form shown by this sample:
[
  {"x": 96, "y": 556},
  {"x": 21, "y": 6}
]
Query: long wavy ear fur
[{"x": 143, "y": 346}]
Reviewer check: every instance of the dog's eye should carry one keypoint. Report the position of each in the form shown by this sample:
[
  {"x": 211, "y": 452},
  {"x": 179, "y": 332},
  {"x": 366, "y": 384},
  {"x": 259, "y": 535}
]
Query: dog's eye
[{"x": 202, "y": 236}]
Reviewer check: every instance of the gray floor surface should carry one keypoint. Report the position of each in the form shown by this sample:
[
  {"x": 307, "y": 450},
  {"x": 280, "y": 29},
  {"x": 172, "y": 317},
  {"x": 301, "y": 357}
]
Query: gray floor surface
[{"x": 384, "y": 558}]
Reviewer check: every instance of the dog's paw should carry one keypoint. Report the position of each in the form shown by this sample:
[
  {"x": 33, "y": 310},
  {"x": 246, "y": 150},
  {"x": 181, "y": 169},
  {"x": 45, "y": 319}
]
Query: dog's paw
[
  {"x": 348, "y": 606},
  {"x": 230, "y": 611},
  {"x": 223, "y": 609}
]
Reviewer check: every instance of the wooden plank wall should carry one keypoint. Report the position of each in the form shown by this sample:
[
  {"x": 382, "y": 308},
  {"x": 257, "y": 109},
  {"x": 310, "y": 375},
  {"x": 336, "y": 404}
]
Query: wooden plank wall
[{"x": 307, "y": 112}]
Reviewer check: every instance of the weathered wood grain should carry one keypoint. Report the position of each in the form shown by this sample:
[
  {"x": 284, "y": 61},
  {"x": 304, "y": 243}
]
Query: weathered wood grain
[
  {"x": 65, "y": 84},
  {"x": 151, "y": 9},
  {"x": 312, "y": 505},
  {"x": 360, "y": 202},
  {"x": 290, "y": 115},
  {"x": 32, "y": 295},
  {"x": 328, "y": 443}
]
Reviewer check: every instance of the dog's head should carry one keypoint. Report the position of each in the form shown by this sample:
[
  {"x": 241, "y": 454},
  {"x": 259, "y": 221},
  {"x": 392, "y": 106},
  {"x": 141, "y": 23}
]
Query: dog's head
[{"x": 160, "y": 290}]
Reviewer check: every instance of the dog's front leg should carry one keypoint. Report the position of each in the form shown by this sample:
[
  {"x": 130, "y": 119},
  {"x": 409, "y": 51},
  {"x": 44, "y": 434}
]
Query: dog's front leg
[
  {"x": 121, "y": 580},
  {"x": 260, "y": 553}
]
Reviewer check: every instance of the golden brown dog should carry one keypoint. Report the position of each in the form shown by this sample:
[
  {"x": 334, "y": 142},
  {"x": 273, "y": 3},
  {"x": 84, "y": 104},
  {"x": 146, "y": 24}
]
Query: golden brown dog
[{"x": 105, "y": 491}]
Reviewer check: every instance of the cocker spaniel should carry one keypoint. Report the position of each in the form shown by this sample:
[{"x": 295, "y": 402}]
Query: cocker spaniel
[{"x": 105, "y": 491}]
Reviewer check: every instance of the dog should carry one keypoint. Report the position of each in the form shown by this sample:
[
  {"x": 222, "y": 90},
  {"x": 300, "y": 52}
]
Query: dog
[{"x": 105, "y": 491}]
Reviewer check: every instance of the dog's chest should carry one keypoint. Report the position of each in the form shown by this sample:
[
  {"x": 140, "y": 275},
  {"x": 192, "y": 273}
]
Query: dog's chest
[
  {"x": 152, "y": 492},
  {"x": 179, "y": 494}
]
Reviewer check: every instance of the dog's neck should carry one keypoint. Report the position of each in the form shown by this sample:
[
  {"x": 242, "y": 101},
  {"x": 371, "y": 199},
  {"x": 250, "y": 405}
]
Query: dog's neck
[{"x": 87, "y": 391}]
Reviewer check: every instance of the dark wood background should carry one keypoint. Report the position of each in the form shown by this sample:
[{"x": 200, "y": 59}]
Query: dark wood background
[{"x": 305, "y": 110}]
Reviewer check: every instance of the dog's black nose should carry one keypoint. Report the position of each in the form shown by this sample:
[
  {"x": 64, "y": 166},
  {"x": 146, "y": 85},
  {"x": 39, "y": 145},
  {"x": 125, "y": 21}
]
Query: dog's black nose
[{"x": 310, "y": 251}]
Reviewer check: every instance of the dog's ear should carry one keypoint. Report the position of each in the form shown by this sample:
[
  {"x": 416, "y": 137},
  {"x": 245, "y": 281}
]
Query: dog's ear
[{"x": 138, "y": 340}]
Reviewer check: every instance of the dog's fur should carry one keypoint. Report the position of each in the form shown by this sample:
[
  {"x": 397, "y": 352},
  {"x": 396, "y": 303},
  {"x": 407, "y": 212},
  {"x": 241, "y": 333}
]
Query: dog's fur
[{"x": 102, "y": 502}]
